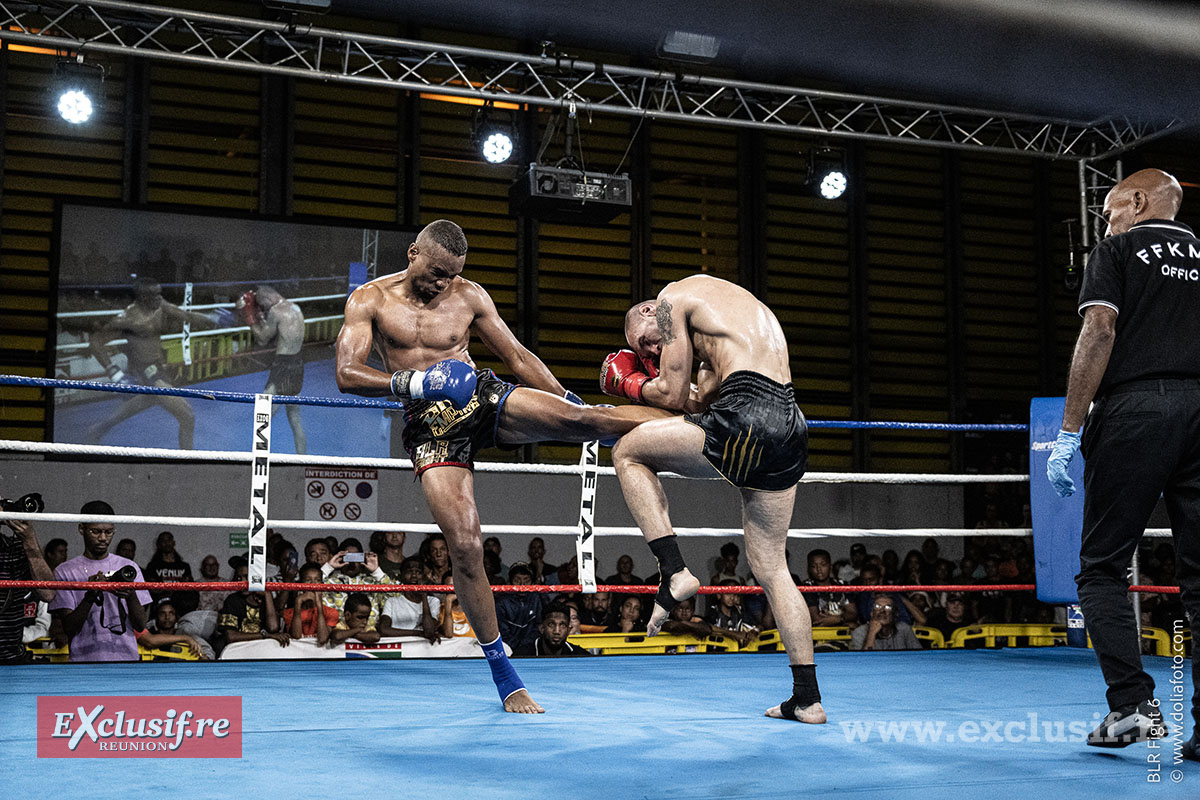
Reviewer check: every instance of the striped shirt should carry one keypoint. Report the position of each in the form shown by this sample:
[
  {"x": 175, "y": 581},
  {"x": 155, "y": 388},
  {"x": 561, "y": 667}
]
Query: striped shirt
[{"x": 14, "y": 566}]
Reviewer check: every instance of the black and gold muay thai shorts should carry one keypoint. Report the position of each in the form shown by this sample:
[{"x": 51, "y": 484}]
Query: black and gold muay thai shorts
[
  {"x": 436, "y": 434},
  {"x": 144, "y": 374},
  {"x": 755, "y": 434}
]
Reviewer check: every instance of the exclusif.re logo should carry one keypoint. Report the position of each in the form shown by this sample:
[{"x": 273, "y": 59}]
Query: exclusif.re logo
[{"x": 139, "y": 727}]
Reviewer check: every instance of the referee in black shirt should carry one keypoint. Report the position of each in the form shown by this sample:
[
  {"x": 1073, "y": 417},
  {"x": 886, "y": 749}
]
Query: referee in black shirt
[{"x": 1138, "y": 356}]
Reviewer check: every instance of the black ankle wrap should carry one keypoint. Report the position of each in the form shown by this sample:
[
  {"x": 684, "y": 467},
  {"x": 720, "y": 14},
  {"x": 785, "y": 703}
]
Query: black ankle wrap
[{"x": 804, "y": 690}]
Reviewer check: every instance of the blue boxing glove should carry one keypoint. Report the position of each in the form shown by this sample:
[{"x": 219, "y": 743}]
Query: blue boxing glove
[
  {"x": 571, "y": 397},
  {"x": 451, "y": 380},
  {"x": 1065, "y": 448},
  {"x": 220, "y": 318}
]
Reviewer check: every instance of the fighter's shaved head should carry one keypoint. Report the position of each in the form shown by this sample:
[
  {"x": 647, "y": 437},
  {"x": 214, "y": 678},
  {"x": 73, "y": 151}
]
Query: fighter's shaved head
[{"x": 633, "y": 315}]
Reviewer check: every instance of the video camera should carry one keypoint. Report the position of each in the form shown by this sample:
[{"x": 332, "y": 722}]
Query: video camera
[{"x": 29, "y": 504}]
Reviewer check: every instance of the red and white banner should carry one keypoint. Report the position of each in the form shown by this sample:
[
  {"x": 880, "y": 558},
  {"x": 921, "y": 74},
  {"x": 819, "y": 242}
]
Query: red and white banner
[{"x": 139, "y": 727}]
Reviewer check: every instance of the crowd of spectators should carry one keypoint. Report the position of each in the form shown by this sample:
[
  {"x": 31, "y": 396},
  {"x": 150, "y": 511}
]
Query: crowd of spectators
[{"x": 112, "y": 625}]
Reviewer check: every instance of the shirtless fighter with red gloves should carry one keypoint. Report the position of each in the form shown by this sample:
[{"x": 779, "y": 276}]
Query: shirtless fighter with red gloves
[{"x": 741, "y": 423}]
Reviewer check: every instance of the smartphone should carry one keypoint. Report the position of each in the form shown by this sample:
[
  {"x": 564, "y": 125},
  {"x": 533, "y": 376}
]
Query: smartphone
[{"x": 354, "y": 557}]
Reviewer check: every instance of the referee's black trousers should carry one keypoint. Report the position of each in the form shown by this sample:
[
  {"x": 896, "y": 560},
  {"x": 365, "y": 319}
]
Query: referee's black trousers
[{"x": 1140, "y": 440}]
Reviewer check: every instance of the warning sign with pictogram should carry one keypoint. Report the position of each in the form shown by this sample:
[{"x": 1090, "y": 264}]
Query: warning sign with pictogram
[{"x": 341, "y": 495}]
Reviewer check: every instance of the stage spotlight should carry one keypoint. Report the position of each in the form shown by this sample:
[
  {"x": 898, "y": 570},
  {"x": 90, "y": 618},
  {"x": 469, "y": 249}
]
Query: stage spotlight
[
  {"x": 826, "y": 172},
  {"x": 497, "y": 147},
  {"x": 833, "y": 185},
  {"x": 77, "y": 89},
  {"x": 494, "y": 138}
]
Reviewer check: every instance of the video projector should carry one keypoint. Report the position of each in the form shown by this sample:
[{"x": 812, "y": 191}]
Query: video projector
[{"x": 558, "y": 194}]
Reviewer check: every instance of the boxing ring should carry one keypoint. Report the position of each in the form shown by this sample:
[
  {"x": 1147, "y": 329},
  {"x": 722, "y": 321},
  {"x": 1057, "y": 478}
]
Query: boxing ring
[
  {"x": 615, "y": 727},
  {"x": 936, "y": 723}
]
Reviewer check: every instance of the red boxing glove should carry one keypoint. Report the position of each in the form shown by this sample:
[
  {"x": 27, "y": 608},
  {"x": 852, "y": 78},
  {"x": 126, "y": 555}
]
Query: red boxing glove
[
  {"x": 621, "y": 375},
  {"x": 247, "y": 308}
]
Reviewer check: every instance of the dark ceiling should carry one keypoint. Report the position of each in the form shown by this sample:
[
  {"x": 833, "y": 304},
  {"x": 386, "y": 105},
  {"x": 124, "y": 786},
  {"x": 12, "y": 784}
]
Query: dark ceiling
[{"x": 1076, "y": 58}]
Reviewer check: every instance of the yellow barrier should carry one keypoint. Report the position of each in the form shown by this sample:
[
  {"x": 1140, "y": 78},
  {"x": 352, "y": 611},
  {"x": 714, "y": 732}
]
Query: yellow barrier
[
  {"x": 766, "y": 642},
  {"x": 175, "y": 652},
  {"x": 932, "y": 635},
  {"x": 839, "y": 633},
  {"x": 624, "y": 644},
  {"x": 1038, "y": 635},
  {"x": 44, "y": 649}
]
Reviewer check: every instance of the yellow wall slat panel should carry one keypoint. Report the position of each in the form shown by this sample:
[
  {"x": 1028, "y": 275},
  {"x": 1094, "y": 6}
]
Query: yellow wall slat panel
[{"x": 204, "y": 137}]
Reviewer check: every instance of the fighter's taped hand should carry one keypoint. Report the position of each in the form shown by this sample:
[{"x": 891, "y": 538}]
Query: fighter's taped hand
[
  {"x": 116, "y": 374},
  {"x": 622, "y": 375},
  {"x": 1065, "y": 448}
]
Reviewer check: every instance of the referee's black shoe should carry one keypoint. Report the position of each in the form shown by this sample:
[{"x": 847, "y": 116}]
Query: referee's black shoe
[
  {"x": 1191, "y": 748},
  {"x": 1129, "y": 724}
]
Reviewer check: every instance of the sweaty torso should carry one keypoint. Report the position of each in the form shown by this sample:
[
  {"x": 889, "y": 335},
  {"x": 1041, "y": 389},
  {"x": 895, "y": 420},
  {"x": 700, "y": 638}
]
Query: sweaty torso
[
  {"x": 143, "y": 330},
  {"x": 289, "y": 322},
  {"x": 730, "y": 328},
  {"x": 414, "y": 334}
]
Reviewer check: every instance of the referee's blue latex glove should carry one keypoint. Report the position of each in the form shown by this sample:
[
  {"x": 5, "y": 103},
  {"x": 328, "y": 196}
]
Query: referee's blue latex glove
[{"x": 1065, "y": 448}]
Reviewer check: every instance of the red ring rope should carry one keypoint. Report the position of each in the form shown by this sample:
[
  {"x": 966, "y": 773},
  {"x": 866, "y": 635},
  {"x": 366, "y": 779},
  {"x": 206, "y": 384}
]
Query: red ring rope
[{"x": 275, "y": 586}]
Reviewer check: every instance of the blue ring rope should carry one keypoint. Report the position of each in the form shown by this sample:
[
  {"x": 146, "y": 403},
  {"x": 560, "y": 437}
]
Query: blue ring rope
[
  {"x": 231, "y": 397},
  {"x": 348, "y": 402}
]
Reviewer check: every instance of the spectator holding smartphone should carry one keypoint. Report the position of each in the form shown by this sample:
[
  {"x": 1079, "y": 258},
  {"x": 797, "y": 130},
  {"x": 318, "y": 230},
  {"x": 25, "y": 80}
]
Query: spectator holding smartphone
[{"x": 351, "y": 566}]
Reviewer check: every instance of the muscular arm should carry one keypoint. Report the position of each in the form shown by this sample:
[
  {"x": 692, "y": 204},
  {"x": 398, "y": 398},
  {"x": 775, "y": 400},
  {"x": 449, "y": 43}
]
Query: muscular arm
[
  {"x": 1092, "y": 351},
  {"x": 72, "y": 621},
  {"x": 98, "y": 341},
  {"x": 267, "y": 328},
  {"x": 672, "y": 388},
  {"x": 38, "y": 567},
  {"x": 354, "y": 345},
  {"x": 496, "y": 336},
  {"x": 177, "y": 316},
  {"x": 697, "y": 629},
  {"x": 159, "y": 640}
]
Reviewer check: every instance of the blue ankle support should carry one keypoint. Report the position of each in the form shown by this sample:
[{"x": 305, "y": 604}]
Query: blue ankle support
[{"x": 506, "y": 678}]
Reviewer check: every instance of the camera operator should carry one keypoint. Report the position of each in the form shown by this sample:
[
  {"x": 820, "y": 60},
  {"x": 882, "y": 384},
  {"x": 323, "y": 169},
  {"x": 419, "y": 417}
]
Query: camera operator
[
  {"x": 21, "y": 559},
  {"x": 102, "y": 626}
]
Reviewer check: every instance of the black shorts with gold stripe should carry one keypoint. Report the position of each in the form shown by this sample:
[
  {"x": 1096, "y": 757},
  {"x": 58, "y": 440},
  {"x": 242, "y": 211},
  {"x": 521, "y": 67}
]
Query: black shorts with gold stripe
[
  {"x": 755, "y": 434},
  {"x": 438, "y": 435}
]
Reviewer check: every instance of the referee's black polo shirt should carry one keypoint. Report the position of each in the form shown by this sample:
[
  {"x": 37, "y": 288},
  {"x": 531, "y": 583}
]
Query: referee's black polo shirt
[{"x": 1149, "y": 275}]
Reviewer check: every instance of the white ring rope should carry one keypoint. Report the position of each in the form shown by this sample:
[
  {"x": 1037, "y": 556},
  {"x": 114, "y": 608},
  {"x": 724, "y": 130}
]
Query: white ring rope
[
  {"x": 73, "y": 346},
  {"x": 56, "y": 448},
  {"x": 112, "y": 312},
  {"x": 524, "y": 530}
]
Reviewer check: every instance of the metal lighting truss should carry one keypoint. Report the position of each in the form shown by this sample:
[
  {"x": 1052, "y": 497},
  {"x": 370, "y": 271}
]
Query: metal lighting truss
[
  {"x": 214, "y": 40},
  {"x": 117, "y": 27}
]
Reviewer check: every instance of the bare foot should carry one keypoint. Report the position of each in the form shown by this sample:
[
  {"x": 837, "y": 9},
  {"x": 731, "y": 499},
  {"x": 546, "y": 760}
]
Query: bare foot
[
  {"x": 519, "y": 702},
  {"x": 683, "y": 585},
  {"x": 813, "y": 715}
]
